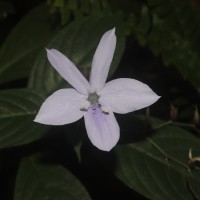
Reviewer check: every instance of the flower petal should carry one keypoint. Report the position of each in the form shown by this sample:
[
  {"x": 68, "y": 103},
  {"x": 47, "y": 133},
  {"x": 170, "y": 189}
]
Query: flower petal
[
  {"x": 102, "y": 129},
  {"x": 102, "y": 60},
  {"x": 125, "y": 95},
  {"x": 62, "y": 107},
  {"x": 68, "y": 70}
]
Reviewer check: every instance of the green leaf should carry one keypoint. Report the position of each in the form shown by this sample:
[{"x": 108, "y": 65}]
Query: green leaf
[
  {"x": 24, "y": 42},
  {"x": 78, "y": 42},
  {"x": 37, "y": 181},
  {"x": 158, "y": 166},
  {"x": 17, "y": 110}
]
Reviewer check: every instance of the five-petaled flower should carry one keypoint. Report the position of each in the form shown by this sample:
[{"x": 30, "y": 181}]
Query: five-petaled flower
[{"x": 96, "y": 100}]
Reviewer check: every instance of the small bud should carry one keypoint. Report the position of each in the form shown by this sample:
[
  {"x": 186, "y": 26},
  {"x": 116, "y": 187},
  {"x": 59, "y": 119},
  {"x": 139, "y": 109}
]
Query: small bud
[
  {"x": 148, "y": 119},
  {"x": 173, "y": 113},
  {"x": 196, "y": 120},
  {"x": 194, "y": 162}
]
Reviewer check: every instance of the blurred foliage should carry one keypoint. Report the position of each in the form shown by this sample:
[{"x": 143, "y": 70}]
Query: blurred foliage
[
  {"x": 172, "y": 31},
  {"x": 78, "y": 9},
  {"x": 157, "y": 43}
]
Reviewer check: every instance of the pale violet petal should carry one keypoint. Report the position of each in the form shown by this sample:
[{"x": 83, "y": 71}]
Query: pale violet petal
[
  {"x": 125, "y": 95},
  {"x": 102, "y": 60},
  {"x": 102, "y": 128},
  {"x": 62, "y": 107},
  {"x": 68, "y": 71}
]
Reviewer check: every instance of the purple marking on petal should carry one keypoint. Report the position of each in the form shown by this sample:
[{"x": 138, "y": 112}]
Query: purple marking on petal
[{"x": 102, "y": 128}]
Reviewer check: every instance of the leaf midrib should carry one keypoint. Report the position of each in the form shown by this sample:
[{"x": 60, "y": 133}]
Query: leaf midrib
[
  {"x": 17, "y": 58},
  {"x": 12, "y": 115},
  {"x": 169, "y": 164}
]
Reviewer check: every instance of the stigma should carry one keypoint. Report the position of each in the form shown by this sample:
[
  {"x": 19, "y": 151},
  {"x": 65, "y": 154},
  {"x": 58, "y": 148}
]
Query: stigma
[
  {"x": 93, "y": 98},
  {"x": 93, "y": 103}
]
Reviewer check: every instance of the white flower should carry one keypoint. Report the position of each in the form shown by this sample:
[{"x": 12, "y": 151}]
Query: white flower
[{"x": 96, "y": 100}]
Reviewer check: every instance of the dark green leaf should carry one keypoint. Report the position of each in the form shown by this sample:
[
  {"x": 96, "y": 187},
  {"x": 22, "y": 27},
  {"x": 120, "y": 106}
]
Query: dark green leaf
[
  {"x": 36, "y": 181},
  {"x": 17, "y": 111},
  {"x": 158, "y": 166},
  {"x": 78, "y": 42},
  {"x": 23, "y": 44}
]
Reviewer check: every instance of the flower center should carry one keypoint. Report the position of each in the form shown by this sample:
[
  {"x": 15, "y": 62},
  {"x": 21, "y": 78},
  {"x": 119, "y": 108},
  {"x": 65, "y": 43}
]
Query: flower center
[{"x": 93, "y": 98}]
